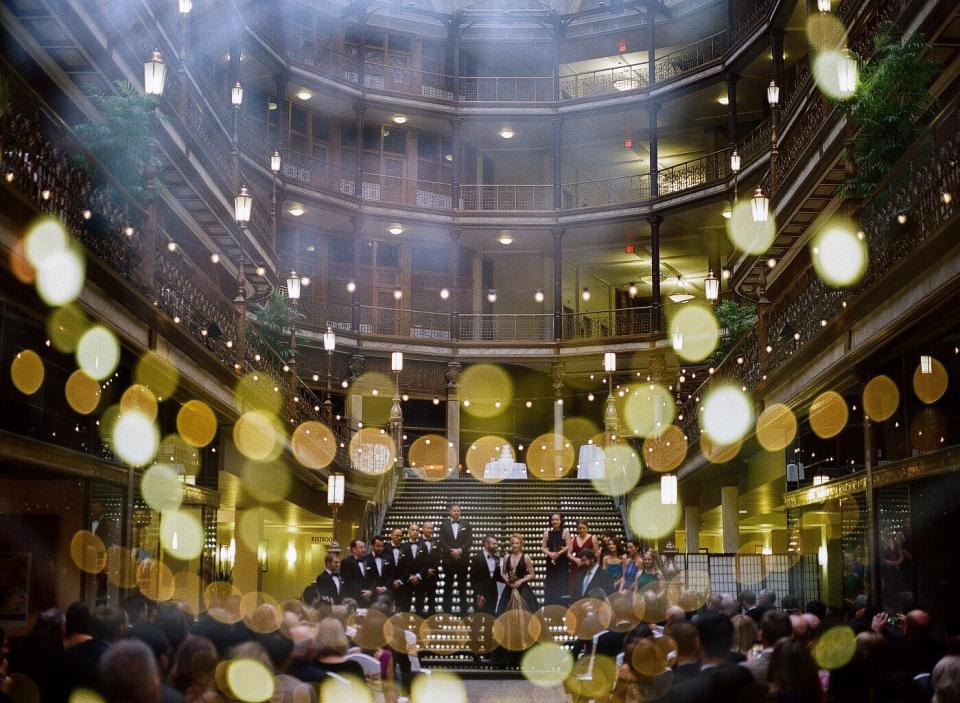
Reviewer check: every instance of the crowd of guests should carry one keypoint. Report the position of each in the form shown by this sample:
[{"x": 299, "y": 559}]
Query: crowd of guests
[{"x": 674, "y": 648}]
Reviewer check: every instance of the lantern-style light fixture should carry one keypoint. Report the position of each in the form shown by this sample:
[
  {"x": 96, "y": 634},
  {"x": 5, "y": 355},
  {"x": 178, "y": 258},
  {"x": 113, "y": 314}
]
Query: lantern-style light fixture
[
  {"x": 329, "y": 340},
  {"x": 823, "y": 5},
  {"x": 275, "y": 161},
  {"x": 773, "y": 94},
  {"x": 677, "y": 340},
  {"x": 760, "y": 206},
  {"x": 444, "y": 293},
  {"x": 585, "y": 294},
  {"x": 351, "y": 287},
  {"x": 847, "y": 72},
  {"x": 236, "y": 95},
  {"x": 926, "y": 364},
  {"x": 335, "y": 489},
  {"x": 711, "y": 286},
  {"x": 632, "y": 290},
  {"x": 396, "y": 362},
  {"x": 491, "y": 296},
  {"x": 397, "y": 294},
  {"x": 186, "y": 6},
  {"x": 668, "y": 489},
  {"x": 154, "y": 74},
  {"x": 609, "y": 362},
  {"x": 242, "y": 205},
  {"x": 293, "y": 286},
  {"x": 538, "y": 296},
  {"x": 735, "y": 161}
]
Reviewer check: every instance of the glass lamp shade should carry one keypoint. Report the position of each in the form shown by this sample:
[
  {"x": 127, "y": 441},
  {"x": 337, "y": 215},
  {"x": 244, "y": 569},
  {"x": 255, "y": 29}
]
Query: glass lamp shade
[
  {"x": 335, "y": 489},
  {"x": 538, "y": 296},
  {"x": 760, "y": 206},
  {"x": 491, "y": 296},
  {"x": 823, "y": 5},
  {"x": 329, "y": 340},
  {"x": 677, "y": 340},
  {"x": 351, "y": 287},
  {"x": 236, "y": 95},
  {"x": 668, "y": 489},
  {"x": 632, "y": 290},
  {"x": 585, "y": 294},
  {"x": 293, "y": 286},
  {"x": 711, "y": 286},
  {"x": 242, "y": 205},
  {"x": 609, "y": 362},
  {"x": 926, "y": 364},
  {"x": 773, "y": 93},
  {"x": 396, "y": 361},
  {"x": 154, "y": 74},
  {"x": 186, "y": 6},
  {"x": 735, "y": 161},
  {"x": 847, "y": 73},
  {"x": 275, "y": 161}
]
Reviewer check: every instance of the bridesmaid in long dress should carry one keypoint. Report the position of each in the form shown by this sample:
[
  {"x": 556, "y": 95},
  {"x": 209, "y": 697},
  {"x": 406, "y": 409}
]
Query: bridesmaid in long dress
[
  {"x": 631, "y": 567},
  {"x": 517, "y": 571},
  {"x": 556, "y": 540},
  {"x": 580, "y": 541}
]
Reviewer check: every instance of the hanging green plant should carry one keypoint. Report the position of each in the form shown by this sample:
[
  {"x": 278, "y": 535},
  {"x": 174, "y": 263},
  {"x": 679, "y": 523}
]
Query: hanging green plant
[
  {"x": 121, "y": 140},
  {"x": 735, "y": 320},
  {"x": 889, "y": 108},
  {"x": 273, "y": 319}
]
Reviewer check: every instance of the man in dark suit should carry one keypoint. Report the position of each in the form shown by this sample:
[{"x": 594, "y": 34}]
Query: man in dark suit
[
  {"x": 687, "y": 662},
  {"x": 484, "y": 575},
  {"x": 455, "y": 540},
  {"x": 403, "y": 567},
  {"x": 356, "y": 583},
  {"x": 379, "y": 567},
  {"x": 596, "y": 582},
  {"x": 719, "y": 679},
  {"x": 426, "y": 564},
  {"x": 329, "y": 583}
]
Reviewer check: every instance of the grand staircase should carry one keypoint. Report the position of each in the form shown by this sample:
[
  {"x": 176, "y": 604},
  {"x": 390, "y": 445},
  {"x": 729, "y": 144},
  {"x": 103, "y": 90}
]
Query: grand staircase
[{"x": 502, "y": 509}]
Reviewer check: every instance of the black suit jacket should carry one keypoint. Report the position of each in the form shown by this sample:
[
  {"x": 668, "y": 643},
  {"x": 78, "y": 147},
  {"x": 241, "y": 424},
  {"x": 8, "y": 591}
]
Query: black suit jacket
[
  {"x": 726, "y": 682},
  {"x": 329, "y": 593},
  {"x": 600, "y": 586},
  {"x": 463, "y": 540},
  {"x": 483, "y": 584},
  {"x": 386, "y": 575},
  {"x": 401, "y": 563},
  {"x": 353, "y": 579},
  {"x": 424, "y": 559}
]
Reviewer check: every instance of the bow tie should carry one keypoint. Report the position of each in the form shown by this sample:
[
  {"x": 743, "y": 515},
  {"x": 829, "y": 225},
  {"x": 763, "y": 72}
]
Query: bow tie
[{"x": 454, "y": 522}]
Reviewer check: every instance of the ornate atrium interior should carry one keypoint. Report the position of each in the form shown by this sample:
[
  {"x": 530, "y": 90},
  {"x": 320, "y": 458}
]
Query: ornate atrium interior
[{"x": 284, "y": 279}]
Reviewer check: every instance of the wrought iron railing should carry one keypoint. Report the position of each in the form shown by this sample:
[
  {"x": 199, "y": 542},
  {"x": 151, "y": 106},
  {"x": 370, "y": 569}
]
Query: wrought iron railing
[
  {"x": 691, "y": 57},
  {"x": 517, "y": 198}
]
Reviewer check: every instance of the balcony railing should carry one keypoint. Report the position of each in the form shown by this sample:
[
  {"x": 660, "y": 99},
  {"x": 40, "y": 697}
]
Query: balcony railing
[
  {"x": 475, "y": 327},
  {"x": 516, "y": 198},
  {"x": 36, "y": 163},
  {"x": 501, "y": 89},
  {"x": 691, "y": 57},
  {"x": 604, "y": 81}
]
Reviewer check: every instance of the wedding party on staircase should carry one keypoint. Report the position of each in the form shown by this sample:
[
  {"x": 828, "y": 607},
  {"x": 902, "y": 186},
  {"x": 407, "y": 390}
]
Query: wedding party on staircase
[{"x": 479, "y": 351}]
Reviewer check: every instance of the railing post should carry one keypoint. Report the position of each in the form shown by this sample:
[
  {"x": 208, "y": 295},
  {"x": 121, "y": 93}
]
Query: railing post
[
  {"x": 359, "y": 108},
  {"x": 653, "y": 109},
  {"x": 557, "y": 134},
  {"x": 655, "y": 221},
  {"x": 558, "y": 284},
  {"x": 455, "y": 283},
  {"x": 559, "y": 29},
  {"x": 354, "y": 299},
  {"x": 455, "y": 124}
]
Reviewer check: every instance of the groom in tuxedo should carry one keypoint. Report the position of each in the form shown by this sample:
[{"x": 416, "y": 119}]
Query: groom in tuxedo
[
  {"x": 456, "y": 537},
  {"x": 484, "y": 575},
  {"x": 596, "y": 581}
]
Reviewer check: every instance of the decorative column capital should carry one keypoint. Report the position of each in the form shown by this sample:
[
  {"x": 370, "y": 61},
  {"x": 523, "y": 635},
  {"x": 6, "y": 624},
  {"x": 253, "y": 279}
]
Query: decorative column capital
[
  {"x": 655, "y": 221},
  {"x": 356, "y": 365},
  {"x": 452, "y": 374},
  {"x": 558, "y": 372}
]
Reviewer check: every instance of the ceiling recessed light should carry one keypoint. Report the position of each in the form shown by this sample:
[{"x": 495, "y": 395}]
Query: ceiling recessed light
[
  {"x": 444, "y": 293},
  {"x": 399, "y": 119},
  {"x": 296, "y": 209},
  {"x": 304, "y": 94},
  {"x": 395, "y": 228},
  {"x": 723, "y": 100},
  {"x": 506, "y": 237},
  {"x": 506, "y": 132}
]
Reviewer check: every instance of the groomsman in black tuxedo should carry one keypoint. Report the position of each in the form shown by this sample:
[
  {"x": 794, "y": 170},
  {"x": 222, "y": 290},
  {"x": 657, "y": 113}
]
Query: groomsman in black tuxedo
[
  {"x": 353, "y": 571},
  {"x": 380, "y": 569},
  {"x": 426, "y": 553},
  {"x": 329, "y": 583},
  {"x": 596, "y": 581},
  {"x": 399, "y": 588},
  {"x": 455, "y": 540},
  {"x": 484, "y": 575}
]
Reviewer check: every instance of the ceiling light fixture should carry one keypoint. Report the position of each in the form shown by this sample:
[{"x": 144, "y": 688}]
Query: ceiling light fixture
[
  {"x": 491, "y": 296},
  {"x": 304, "y": 94},
  {"x": 395, "y": 229},
  {"x": 680, "y": 293},
  {"x": 506, "y": 237},
  {"x": 399, "y": 119},
  {"x": 632, "y": 290},
  {"x": 538, "y": 296},
  {"x": 296, "y": 209},
  {"x": 507, "y": 133},
  {"x": 723, "y": 100}
]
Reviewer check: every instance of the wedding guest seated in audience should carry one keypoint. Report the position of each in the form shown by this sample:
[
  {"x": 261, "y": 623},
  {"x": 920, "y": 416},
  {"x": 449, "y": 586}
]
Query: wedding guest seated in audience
[
  {"x": 77, "y": 625},
  {"x": 194, "y": 665},
  {"x": 686, "y": 663},
  {"x": 108, "y": 624},
  {"x": 718, "y": 679},
  {"x": 332, "y": 648},
  {"x": 745, "y": 636},
  {"x": 129, "y": 673},
  {"x": 793, "y": 673},
  {"x": 153, "y": 637},
  {"x": 303, "y": 663},
  {"x": 289, "y": 689},
  {"x": 774, "y": 626},
  {"x": 43, "y": 652}
]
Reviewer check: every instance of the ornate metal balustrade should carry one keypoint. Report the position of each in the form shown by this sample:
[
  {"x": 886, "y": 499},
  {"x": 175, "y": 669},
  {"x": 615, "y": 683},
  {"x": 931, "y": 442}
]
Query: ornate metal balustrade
[
  {"x": 691, "y": 57},
  {"x": 99, "y": 213},
  {"x": 516, "y": 198}
]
